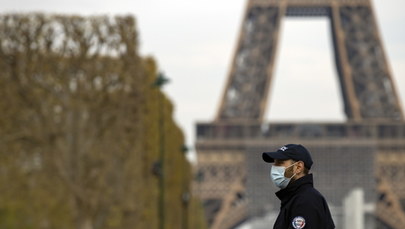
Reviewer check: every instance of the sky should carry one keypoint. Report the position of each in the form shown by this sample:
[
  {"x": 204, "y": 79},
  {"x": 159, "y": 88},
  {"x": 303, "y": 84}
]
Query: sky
[{"x": 193, "y": 42}]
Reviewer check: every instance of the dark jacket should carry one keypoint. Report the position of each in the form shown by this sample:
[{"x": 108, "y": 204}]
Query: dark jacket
[{"x": 302, "y": 206}]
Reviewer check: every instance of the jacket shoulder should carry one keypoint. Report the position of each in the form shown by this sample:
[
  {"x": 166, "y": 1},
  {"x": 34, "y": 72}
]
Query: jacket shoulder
[{"x": 309, "y": 196}]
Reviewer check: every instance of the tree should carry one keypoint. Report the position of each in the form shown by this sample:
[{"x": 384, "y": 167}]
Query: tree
[{"x": 78, "y": 127}]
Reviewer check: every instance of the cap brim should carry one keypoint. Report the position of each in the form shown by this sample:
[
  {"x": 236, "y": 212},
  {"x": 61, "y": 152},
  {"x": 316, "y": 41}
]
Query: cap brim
[{"x": 270, "y": 156}]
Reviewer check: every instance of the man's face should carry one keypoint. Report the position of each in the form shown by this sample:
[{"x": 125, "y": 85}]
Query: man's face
[{"x": 289, "y": 172}]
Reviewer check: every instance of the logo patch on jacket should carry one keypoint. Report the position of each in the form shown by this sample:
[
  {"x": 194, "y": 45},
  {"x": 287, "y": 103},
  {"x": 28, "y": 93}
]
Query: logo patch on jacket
[{"x": 298, "y": 222}]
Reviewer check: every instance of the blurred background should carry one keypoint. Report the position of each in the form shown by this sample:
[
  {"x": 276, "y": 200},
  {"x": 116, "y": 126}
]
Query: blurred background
[
  {"x": 196, "y": 53},
  {"x": 187, "y": 44}
]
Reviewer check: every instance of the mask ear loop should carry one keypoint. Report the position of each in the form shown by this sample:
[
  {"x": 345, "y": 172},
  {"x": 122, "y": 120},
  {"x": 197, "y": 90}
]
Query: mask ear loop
[{"x": 289, "y": 167}]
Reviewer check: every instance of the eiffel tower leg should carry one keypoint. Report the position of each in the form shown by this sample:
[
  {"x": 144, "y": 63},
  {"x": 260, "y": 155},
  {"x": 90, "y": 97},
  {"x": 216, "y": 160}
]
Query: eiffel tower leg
[
  {"x": 390, "y": 174},
  {"x": 368, "y": 91},
  {"x": 247, "y": 87},
  {"x": 232, "y": 209},
  {"x": 221, "y": 186},
  {"x": 351, "y": 105}
]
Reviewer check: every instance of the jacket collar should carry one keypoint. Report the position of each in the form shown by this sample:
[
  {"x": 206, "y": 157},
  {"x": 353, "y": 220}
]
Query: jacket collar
[{"x": 285, "y": 194}]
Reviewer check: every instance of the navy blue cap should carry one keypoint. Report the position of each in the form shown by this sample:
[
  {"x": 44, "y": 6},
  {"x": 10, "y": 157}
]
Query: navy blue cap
[{"x": 290, "y": 151}]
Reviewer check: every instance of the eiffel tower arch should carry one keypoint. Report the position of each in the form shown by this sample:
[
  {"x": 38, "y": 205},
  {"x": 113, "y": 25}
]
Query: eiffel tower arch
[{"x": 366, "y": 151}]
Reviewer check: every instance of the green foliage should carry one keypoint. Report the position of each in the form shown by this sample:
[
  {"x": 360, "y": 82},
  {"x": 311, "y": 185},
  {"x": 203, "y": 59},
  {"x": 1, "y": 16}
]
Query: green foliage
[{"x": 81, "y": 129}]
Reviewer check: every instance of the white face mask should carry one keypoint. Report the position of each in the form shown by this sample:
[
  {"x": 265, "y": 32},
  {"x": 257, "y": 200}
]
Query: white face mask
[{"x": 277, "y": 176}]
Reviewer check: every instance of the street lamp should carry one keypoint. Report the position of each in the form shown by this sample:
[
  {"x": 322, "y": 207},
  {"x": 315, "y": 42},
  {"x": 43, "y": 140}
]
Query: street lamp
[
  {"x": 160, "y": 81},
  {"x": 185, "y": 197}
]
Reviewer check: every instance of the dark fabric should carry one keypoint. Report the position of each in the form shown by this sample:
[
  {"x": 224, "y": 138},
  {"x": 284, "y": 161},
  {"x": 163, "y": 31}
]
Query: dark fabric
[{"x": 301, "y": 199}]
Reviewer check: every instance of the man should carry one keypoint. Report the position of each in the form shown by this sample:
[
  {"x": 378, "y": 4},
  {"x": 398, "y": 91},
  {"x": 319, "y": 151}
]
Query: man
[{"x": 302, "y": 206}]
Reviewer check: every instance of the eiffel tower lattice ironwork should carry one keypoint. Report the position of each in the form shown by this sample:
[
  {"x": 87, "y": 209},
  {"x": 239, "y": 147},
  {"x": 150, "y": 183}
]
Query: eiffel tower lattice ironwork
[{"x": 230, "y": 174}]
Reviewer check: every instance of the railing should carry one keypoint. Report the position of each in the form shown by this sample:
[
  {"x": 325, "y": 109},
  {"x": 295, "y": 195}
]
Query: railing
[
  {"x": 310, "y": 2},
  {"x": 355, "y": 130}
]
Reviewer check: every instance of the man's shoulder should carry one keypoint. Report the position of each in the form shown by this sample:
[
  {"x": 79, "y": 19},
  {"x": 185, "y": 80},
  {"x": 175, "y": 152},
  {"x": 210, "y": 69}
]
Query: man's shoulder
[{"x": 309, "y": 195}]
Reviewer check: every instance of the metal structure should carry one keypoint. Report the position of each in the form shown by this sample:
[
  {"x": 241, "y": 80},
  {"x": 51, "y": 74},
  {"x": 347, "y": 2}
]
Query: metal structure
[{"x": 230, "y": 172}]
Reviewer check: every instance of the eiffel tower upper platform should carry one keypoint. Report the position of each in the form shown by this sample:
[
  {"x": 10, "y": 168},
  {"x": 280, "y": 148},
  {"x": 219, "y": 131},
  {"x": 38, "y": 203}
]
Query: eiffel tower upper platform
[{"x": 366, "y": 151}]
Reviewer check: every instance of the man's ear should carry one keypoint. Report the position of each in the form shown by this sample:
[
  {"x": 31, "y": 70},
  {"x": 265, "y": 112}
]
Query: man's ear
[{"x": 301, "y": 166}]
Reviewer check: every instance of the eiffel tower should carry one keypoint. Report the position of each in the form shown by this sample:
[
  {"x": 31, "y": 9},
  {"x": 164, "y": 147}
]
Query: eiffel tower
[{"x": 366, "y": 151}]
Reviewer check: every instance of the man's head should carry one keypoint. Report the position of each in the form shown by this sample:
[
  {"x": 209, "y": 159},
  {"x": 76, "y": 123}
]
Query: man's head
[{"x": 295, "y": 158}]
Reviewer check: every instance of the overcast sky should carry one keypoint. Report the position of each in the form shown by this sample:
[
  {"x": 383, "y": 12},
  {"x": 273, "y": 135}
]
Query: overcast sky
[{"x": 194, "y": 40}]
